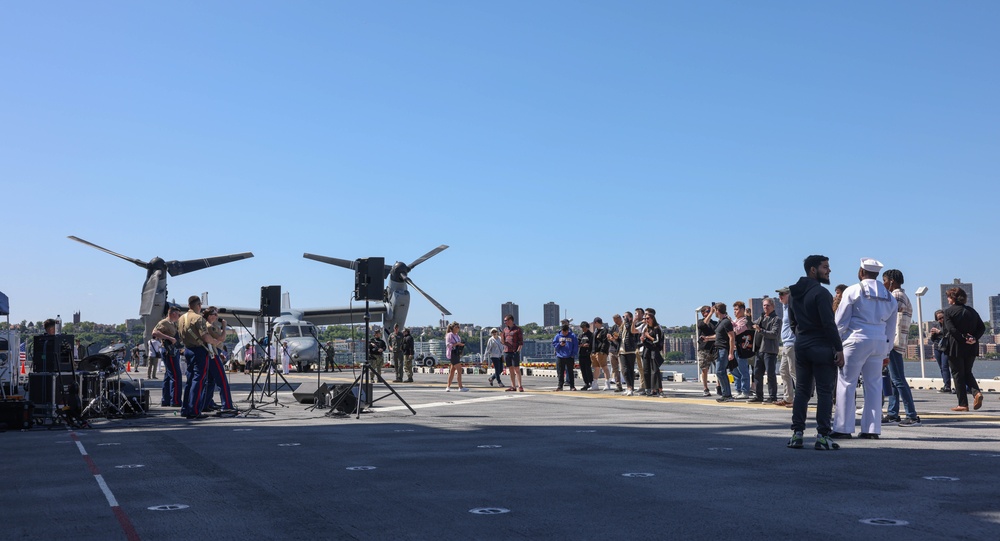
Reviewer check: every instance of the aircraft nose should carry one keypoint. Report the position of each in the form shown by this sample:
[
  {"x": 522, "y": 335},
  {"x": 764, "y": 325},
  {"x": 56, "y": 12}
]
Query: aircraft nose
[{"x": 299, "y": 349}]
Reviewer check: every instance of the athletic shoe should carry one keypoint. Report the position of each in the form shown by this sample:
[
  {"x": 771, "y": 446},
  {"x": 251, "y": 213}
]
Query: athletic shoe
[
  {"x": 447, "y": 389},
  {"x": 463, "y": 389},
  {"x": 490, "y": 380},
  {"x": 628, "y": 392},
  {"x": 795, "y": 442},
  {"x": 725, "y": 399},
  {"x": 909, "y": 422},
  {"x": 945, "y": 390},
  {"x": 761, "y": 400},
  {"x": 706, "y": 392},
  {"x": 825, "y": 443},
  {"x": 607, "y": 386},
  {"x": 742, "y": 396},
  {"x": 840, "y": 435},
  {"x": 887, "y": 419},
  {"x": 868, "y": 436},
  {"x": 618, "y": 387},
  {"x": 977, "y": 401},
  {"x": 769, "y": 400}
]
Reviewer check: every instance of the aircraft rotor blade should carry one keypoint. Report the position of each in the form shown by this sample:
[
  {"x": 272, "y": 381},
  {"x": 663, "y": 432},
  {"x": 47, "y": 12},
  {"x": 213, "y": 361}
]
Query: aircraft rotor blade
[
  {"x": 176, "y": 268},
  {"x": 332, "y": 261},
  {"x": 139, "y": 262},
  {"x": 428, "y": 255},
  {"x": 428, "y": 297},
  {"x": 149, "y": 294}
]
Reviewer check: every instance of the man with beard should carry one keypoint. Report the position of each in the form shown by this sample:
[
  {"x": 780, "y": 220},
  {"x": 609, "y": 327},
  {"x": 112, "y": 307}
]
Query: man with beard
[{"x": 818, "y": 351}]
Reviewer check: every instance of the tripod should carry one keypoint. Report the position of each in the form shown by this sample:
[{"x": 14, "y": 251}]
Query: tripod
[
  {"x": 254, "y": 343},
  {"x": 364, "y": 380}
]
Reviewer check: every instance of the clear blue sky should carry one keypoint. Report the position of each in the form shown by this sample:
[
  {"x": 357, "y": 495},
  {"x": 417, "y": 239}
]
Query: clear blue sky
[{"x": 601, "y": 155}]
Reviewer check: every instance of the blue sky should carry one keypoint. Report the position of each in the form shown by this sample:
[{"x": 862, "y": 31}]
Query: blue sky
[{"x": 601, "y": 155}]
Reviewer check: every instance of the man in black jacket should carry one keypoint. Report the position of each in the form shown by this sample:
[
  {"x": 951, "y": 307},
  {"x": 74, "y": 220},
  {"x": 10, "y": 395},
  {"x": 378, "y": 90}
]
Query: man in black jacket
[{"x": 818, "y": 351}]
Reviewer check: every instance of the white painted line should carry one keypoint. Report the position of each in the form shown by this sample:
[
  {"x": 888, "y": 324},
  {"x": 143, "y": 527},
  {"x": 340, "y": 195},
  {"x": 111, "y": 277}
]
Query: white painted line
[
  {"x": 489, "y": 511},
  {"x": 79, "y": 445},
  {"x": 107, "y": 491},
  {"x": 455, "y": 402}
]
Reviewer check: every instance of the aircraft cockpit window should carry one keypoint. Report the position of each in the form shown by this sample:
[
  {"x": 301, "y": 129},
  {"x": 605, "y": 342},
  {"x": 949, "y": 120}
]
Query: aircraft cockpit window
[
  {"x": 308, "y": 330},
  {"x": 290, "y": 331}
]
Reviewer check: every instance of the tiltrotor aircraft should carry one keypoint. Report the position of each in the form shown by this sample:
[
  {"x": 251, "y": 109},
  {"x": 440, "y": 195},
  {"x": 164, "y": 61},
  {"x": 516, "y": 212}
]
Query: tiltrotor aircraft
[{"x": 153, "y": 305}]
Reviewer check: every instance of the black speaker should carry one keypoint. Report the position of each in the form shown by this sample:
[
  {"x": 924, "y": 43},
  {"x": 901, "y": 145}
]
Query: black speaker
[
  {"x": 307, "y": 393},
  {"x": 270, "y": 301},
  {"x": 369, "y": 279},
  {"x": 350, "y": 402},
  {"x": 52, "y": 353},
  {"x": 16, "y": 414},
  {"x": 40, "y": 388}
]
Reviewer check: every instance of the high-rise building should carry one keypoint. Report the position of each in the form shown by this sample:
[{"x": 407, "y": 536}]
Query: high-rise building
[
  {"x": 957, "y": 283},
  {"x": 76, "y": 317},
  {"x": 550, "y": 315},
  {"x": 995, "y": 313},
  {"x": 509, "y": 309}
]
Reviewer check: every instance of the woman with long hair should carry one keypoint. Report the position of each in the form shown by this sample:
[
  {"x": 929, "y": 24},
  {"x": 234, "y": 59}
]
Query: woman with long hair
[
  {"x": 965, "y": 328},
  {"x": 939, "y": 337},
  {"x": 626, "y": 354},
  {"x": 455, "y": 346},
  {"x": 652, "y": 358}
]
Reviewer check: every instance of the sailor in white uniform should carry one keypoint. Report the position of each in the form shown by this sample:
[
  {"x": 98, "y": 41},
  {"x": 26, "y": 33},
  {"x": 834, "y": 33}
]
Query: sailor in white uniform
[{"x": 866, "y": 319}]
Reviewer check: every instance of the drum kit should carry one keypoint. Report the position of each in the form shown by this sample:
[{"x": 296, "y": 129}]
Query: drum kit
[{"x": 101, "y": 386}]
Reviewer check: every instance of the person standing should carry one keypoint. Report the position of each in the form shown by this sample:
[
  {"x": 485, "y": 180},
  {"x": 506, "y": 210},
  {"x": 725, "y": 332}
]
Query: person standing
[
  {"x": 787, "y": 366},
  {"x": 329, "y": 355},
  {"x": 408, "y": 355},
  {"x": 939, "y": 337},
  {"x": 818, "y": 351},
  {"x": 638, "y": 326},
  {"x": 513, "y": 341},
  {"x": 494, "y": 352},
  {"x": 215, "y": 372},
  {"x": 599, "y": 357},
  {"x": 725, "y": 350},
  {"x": 652, "y": 347},
  {"x": 396, "y": 346},
  {"x": 455, "y": 347},
  {"x": 768, "y": 331},
  {"x": 866, "y": 321},
  {"x": 744, "y": 333},
  {"x": 376, "y": 348},
  {"x": 154, "y": 347},
  {"x": 586, "y": 339},
  {"x": 627, "y": 352},
  {"x": 706, "y": 345},
  {"x": 193, "y": 330},
  {"x": 892, "y": 279},
  {"x": 166, "y": 332},
  {"x": 566, "y": 348},
  {"x": 965, "y": 328},
  {"x": 614, "y": 347}
]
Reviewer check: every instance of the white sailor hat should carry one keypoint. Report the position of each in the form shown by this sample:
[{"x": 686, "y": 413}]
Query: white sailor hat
[{"x": 871, "y": 265}]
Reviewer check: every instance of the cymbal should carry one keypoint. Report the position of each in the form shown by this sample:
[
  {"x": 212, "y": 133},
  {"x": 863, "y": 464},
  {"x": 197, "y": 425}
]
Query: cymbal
[{"x": 113, "y": 348}]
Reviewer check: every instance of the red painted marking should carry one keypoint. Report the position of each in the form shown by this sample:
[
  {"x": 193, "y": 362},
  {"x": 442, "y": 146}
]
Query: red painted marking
[{"x": 127, "y": 527}]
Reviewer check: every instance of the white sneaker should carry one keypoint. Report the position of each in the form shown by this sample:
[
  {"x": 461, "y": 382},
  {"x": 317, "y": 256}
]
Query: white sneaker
[
  {"x": 607, "y": 386},
  {"x": 628, "y": 392},
  {"x": 447, "y": 389},
  {"x": 463, "y": 389}
]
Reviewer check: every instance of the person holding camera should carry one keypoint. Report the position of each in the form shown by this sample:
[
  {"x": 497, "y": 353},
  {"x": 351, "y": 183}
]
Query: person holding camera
[{"x": 566, "y": 347}]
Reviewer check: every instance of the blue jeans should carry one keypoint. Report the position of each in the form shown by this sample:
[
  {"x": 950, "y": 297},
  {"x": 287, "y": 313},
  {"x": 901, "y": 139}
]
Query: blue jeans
[
  {"x": 942, "y": 360},
  {"x": 741, "y": 376},
  {"x": 721, "y": 374},
  {"x": 900, "y": 388}
]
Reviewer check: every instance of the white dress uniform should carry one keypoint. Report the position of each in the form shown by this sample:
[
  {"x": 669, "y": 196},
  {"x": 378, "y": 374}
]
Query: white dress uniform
[{"x": 866, "y": 319}]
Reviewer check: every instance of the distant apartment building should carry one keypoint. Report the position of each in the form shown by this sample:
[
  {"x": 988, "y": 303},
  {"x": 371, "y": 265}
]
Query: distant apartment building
[
  {"x": 957, "y": 283},
  {"x": 76, "y": 318},
  {"x": 995, "y": 313},
  {"x": 509, "y": 309},
  {"x": 684, "y": 345},
  {"x": 535, "y": 349},
  {"x": 550, "y": 315}
]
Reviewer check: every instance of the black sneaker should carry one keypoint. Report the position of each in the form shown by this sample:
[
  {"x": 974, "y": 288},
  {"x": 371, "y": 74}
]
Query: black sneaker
[
  {"x": 840, "y": 435},
  {"x": 795, "y": 442},
  {"x": 945, "y": 390},
  {"x": 868, "y": 436},
  {"x": 909, "y": 422},
  {"x": 825, "y": 443},
  {"x": 756, "y": 400},
  {"x": 888, "y": 419},
  {"x": 725, "y": 399}
]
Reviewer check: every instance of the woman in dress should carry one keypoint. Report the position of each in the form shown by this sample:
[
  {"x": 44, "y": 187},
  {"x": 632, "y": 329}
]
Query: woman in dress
[{"x": 965, "y": 328}]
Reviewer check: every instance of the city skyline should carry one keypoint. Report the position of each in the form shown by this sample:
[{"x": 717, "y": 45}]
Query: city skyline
[{"x": 652, "y": 154}]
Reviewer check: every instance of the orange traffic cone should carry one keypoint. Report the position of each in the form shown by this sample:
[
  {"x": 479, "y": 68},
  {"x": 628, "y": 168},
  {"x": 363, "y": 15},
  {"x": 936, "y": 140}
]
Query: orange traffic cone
[
  {"x": 22, "y": 368},
  {"x": 128, "y": 366}
]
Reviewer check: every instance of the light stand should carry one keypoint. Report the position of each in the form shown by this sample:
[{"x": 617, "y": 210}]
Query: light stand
[
  {"x": 365, "y": 288},
  {"x": 254, "y": 343},
  {"x": 921, "y": 291}
]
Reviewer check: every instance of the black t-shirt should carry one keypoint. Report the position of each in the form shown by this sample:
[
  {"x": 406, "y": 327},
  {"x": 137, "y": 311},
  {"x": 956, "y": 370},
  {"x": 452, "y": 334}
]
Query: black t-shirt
[
  {"x": 706, "y": 329},
  {"x": 586, "y": 343},
  {"x": 744, "y": 343},
  {"x": 722, "y": 330}
]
